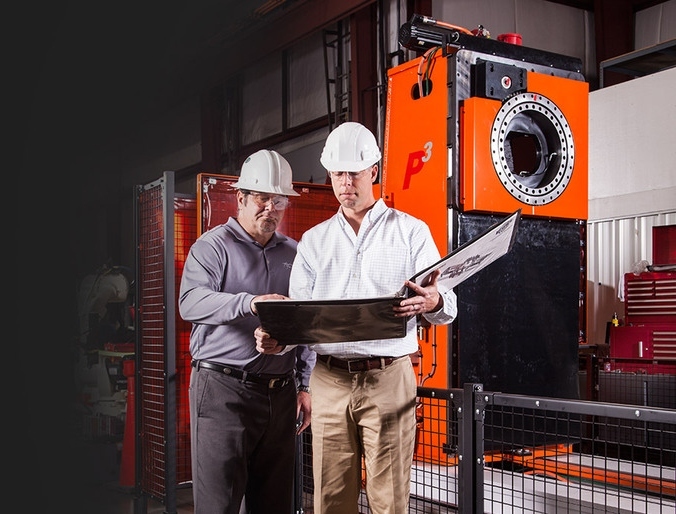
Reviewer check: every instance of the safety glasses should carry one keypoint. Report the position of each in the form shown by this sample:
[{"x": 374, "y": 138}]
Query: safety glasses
[{"x": 262, "y": 200}]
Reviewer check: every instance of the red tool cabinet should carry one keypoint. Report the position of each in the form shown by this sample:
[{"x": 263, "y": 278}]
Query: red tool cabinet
[{"x": 647, "y": 340}]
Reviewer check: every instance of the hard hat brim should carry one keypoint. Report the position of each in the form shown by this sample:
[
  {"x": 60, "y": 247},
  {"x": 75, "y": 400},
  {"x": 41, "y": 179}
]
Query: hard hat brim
[
  {"x": 351, "y": 166},
  {"x": 272, "y": 190}
]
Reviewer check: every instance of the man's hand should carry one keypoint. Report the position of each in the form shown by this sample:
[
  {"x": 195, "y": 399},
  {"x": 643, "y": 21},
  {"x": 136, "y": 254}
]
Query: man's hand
[
  {"x": 266, "y": 344},
  {"x": 303, "y": 410},
  {"x": 426, "y": 299},
  {"x": 265, "y": 297}
]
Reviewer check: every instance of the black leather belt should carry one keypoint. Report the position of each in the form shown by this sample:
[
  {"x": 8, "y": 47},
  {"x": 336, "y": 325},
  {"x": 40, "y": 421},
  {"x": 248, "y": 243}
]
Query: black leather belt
[
  {"x": 271, "y": 381},
  {"x": 357, "y": 365}
]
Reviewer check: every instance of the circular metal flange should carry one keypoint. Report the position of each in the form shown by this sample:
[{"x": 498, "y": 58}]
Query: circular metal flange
[{"x": 532, "y": 148}]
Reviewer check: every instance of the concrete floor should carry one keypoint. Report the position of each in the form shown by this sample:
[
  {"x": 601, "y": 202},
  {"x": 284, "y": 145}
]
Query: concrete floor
[
  {"x": 110, "y": 498},
  {"x": 94, "y": 484}
]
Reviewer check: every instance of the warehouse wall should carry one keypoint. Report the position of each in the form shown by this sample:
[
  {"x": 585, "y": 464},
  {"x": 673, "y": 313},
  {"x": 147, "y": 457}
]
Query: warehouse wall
[
  {"x": 632, "y": 151},
  {"x": 655, "y": 25},
  {"x": 632, "y": 185},
  {"x": 569, "y": 30}
]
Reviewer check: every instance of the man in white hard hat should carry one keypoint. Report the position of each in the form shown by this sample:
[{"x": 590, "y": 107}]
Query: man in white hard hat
[
  {"x": 364, "y": 393},
  {"x": 243, "y": 405}
]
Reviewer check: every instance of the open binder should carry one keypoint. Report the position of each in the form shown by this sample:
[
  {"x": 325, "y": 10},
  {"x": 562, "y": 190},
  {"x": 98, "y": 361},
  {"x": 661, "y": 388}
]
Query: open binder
[{"x": 363, "y": 319}]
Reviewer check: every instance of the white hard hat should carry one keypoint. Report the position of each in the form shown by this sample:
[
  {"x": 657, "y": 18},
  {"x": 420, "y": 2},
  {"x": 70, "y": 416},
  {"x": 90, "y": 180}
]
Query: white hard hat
[
  {"x": 266, "y": 171},
  {"x": 350, "y": 147}
]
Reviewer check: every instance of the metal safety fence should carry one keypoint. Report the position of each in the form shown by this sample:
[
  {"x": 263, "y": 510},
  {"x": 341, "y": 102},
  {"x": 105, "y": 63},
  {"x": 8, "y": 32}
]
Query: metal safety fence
[{"x": 479, "y": 451}]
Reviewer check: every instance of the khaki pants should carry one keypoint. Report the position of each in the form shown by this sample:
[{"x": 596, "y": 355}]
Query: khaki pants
[{"x": 369, "y": 414}]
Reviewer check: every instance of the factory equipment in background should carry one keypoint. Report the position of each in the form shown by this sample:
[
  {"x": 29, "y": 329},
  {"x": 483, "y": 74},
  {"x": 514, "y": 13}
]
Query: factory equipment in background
[
  {"x": 105, "y": 339},
  {"x": 475, "y": 129},
  {"x": 104, "y": 307}
]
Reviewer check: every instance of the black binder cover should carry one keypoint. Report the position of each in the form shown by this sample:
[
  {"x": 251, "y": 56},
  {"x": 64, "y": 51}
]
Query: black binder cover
[{"x": 331, "y": 321}]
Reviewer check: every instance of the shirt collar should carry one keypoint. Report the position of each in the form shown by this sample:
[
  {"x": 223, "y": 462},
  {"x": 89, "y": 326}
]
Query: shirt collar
[{"x": 379, "y": 208}]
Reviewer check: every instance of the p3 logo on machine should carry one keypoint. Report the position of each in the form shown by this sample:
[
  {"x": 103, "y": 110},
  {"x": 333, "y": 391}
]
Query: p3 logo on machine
[{"x": 415, "y": 163}]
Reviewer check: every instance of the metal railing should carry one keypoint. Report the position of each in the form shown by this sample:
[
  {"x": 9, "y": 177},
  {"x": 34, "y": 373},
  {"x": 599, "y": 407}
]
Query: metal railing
[{"x": 479, "y": 451}]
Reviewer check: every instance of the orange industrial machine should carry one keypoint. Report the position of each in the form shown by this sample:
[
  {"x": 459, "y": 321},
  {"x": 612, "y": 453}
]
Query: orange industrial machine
[{"x": 475, "y": 129}]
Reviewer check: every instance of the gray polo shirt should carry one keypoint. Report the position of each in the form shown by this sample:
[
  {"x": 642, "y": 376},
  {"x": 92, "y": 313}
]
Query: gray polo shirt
[{"x": 224, "y": 270}]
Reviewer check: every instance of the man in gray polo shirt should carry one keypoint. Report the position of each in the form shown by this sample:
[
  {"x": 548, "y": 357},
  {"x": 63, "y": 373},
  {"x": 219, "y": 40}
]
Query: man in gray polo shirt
[{"x": 243, "y": 405}]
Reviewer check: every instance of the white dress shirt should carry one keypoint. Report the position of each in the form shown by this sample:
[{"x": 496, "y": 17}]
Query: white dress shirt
[{"x": 332, "y": 262}]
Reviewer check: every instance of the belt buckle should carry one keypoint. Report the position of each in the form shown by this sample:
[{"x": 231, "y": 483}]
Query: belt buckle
[
  {"x": 272, "y": 383},
  {"x": 349, "y": 367}
]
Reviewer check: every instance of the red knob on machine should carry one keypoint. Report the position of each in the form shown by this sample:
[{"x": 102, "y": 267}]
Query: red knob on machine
[{"x": 510, "y": 37}]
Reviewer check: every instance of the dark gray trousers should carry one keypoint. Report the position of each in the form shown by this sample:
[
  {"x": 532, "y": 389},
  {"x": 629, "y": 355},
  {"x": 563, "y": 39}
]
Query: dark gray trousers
[{"x": 242, "y": 444}]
